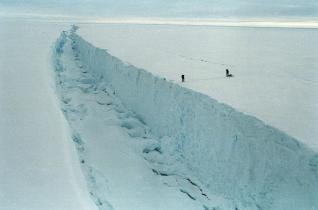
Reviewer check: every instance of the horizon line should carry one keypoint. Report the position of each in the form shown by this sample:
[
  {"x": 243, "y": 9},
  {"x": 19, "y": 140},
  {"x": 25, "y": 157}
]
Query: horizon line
[{"x": 234, "y": 22}]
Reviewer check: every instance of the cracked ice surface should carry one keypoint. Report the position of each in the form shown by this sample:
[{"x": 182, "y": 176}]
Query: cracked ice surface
[
  {"x": 201, "y": 147},
  {"x": 123, "y": 163},
  {"x": 275, "y": 69}
]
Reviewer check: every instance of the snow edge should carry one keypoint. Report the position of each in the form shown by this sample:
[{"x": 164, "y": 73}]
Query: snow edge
[{"x": 232, "y": 153}]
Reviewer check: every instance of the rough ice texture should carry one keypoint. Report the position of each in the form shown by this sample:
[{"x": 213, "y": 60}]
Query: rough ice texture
[{"x": 233, "y": 154}]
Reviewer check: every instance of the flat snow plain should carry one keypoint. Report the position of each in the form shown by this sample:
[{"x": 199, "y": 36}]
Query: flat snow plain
[
  {"x": 39, "y": 167},
  {"x": 275, "y": 69}
]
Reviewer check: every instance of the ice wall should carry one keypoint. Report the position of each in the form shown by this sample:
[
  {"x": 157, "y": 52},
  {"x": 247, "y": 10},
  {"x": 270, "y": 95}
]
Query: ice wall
[{"x": 232, "y": 153}]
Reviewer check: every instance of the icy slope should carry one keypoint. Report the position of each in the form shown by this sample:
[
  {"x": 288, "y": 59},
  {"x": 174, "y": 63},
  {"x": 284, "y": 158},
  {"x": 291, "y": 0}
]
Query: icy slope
[
  {"x": 276, "y": 77},
  {"x": 119, "y": 155},
  {"x": 38, "y": 162},
  {"x": 233, "y": 154}
]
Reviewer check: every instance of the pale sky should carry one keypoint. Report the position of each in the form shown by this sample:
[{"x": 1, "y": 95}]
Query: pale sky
[{"x": 303, "y": 9}]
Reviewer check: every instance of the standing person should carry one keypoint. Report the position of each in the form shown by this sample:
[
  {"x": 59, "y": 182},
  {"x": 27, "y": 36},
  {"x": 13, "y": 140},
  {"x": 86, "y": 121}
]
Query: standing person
[
  {"x": 182, "y": 78},
  {"x": 227, "y": 73}
]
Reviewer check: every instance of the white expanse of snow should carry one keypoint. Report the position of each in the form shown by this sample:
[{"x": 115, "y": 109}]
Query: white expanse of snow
[
  {"x": 202, "y": 22},
  {"x": 144, "y": 142},
  {"x": 275, "y": 69},
  {"x": 247, "y": 22},
  {"x": 232, "y": 154},
  {"x": 39, "y": 166}
]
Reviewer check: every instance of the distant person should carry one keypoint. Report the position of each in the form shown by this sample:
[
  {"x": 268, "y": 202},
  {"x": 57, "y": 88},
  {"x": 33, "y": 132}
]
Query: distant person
[
  {"x": 182, "y": 78},
  {"x": 227, "y": 72}
]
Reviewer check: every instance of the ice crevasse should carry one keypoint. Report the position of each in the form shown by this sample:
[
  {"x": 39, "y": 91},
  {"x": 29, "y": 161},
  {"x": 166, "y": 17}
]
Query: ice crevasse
[{"x": 231, "y": 153}]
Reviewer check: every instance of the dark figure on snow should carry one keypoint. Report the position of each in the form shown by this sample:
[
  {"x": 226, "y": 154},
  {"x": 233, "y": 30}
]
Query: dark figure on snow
[
  {"x": 228, "y": 73},
  {"x": 182, "y": 77}
]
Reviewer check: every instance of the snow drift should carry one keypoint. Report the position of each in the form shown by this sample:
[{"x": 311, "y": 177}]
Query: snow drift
[{"x": 231, "y": 153}]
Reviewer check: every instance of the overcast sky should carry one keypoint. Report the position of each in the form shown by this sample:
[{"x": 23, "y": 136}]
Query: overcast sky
[{"x": 307, "y": 9}]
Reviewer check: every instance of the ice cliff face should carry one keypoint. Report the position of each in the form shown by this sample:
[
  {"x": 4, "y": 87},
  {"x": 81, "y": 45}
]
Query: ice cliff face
[{"x": 231, "y": 153}]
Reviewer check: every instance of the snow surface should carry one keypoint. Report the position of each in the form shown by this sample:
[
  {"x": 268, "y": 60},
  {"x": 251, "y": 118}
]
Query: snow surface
[
  {"x": 143, "y": 142},
  {"x": 119, "y": 156},
  {"x": 230, "y": 154},
  {"x": 39, "y": 167},
  {"x": 275, "y": 69}
]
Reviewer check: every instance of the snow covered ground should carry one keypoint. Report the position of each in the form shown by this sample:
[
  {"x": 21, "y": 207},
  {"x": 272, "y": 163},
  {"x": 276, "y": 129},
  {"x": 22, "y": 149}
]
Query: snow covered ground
[
  {"x": 119, "y": 155},
  {"x": 39, "y": 168},
  {"x": 145, "y": 142},
  {"x": 275, "y": 69}
]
